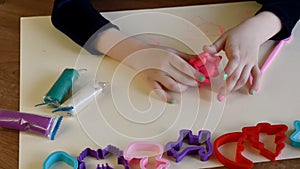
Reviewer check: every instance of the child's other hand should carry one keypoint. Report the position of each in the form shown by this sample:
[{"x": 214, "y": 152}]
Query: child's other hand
[
  {"x": 241, "y": 49},
  {"x": 241, "y": 45}
]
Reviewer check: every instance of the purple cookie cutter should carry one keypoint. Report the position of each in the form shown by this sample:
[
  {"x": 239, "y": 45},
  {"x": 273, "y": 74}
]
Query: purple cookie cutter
[
  {"x": 200, "y": 145},
  {"x": 102, "y": 154}
]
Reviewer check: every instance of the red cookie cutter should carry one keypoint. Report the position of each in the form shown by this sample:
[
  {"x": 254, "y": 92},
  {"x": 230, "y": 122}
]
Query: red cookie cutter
[
  {"x": 277, "y": 130},
  {"x": 252, "y": 135},
  {"x": 240, "y": 162}
]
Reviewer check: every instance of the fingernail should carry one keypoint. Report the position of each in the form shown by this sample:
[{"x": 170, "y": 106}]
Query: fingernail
[
  {"x": 221, "y": 98},
  {"x": 253, "y": 91},
  {"x": 171, "y": 101},
  {"x": 201, "y": 78},
  {"x": 225, "y": 76}
]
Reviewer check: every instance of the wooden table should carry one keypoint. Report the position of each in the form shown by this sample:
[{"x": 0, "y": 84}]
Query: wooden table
[{"x": 10, "y": 13}]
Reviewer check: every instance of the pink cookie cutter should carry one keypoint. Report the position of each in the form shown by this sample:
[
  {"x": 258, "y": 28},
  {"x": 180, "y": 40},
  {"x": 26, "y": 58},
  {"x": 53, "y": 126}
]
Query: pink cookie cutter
[{"x": 141, "y": 151}]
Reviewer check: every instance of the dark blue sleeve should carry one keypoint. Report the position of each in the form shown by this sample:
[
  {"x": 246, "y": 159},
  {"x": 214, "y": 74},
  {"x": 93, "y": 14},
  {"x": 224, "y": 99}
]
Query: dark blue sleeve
[
  {"x": 78, "y": 19},
  {"x": 288, "y": 11}
]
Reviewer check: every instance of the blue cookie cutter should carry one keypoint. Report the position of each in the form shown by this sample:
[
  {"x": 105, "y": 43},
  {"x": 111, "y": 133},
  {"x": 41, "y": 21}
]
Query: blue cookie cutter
[
  {"x": 102, "y": 154},
  {"x": 60, "y": 156},
  {"x": 295, "y": 137},
  {"x": 201, "y": 145}
]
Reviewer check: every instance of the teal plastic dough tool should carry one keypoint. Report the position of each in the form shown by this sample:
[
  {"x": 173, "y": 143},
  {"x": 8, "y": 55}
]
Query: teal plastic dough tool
[{"x": 60, "y": 88}]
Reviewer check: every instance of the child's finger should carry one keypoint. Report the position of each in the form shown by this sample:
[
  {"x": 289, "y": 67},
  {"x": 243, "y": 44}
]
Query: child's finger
[
  {"x": 233, "y": 79},
  {"x": 222, "y": 94},
  {"x": 233, "y": 63},
  {"x": 183, "y": 55},
  {"x": 162, "y": 93},
  {"x": 243, "y": 78},
  {"x": 256, "y": 74},
  {"x": 216, "y": 47},
  {"x": 170, "y": 84},
  {"x": 182, "y": 66},
  {"x": 183, "y": 78}
]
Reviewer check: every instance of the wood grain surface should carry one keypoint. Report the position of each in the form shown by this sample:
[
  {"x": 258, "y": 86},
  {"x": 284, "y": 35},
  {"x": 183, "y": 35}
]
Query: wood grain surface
[{"x": 10, "y": 13}]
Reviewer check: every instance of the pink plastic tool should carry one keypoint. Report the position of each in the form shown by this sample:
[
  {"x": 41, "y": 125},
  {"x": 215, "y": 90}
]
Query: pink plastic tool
[
  {"x": 272, "y": 55},
  {"x": 141, "y": 151}
]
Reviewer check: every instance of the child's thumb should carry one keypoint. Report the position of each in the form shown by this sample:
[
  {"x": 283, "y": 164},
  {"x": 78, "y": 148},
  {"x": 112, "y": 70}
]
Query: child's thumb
[{"x": 216, "y": 47}]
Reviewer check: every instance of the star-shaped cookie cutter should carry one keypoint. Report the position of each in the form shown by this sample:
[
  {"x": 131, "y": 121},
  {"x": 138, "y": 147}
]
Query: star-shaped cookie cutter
[{"x": 200, "y": 145}]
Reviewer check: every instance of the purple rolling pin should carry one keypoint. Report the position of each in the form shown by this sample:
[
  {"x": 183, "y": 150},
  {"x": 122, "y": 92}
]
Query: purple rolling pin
[{"x": 42, "y": 125}]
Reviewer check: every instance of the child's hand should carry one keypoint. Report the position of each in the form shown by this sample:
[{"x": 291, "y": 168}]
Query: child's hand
[
  {"x": 165, "y": 70},
  {"x": 241, "y": 49},
  {"x": 241, "y": 45}
]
